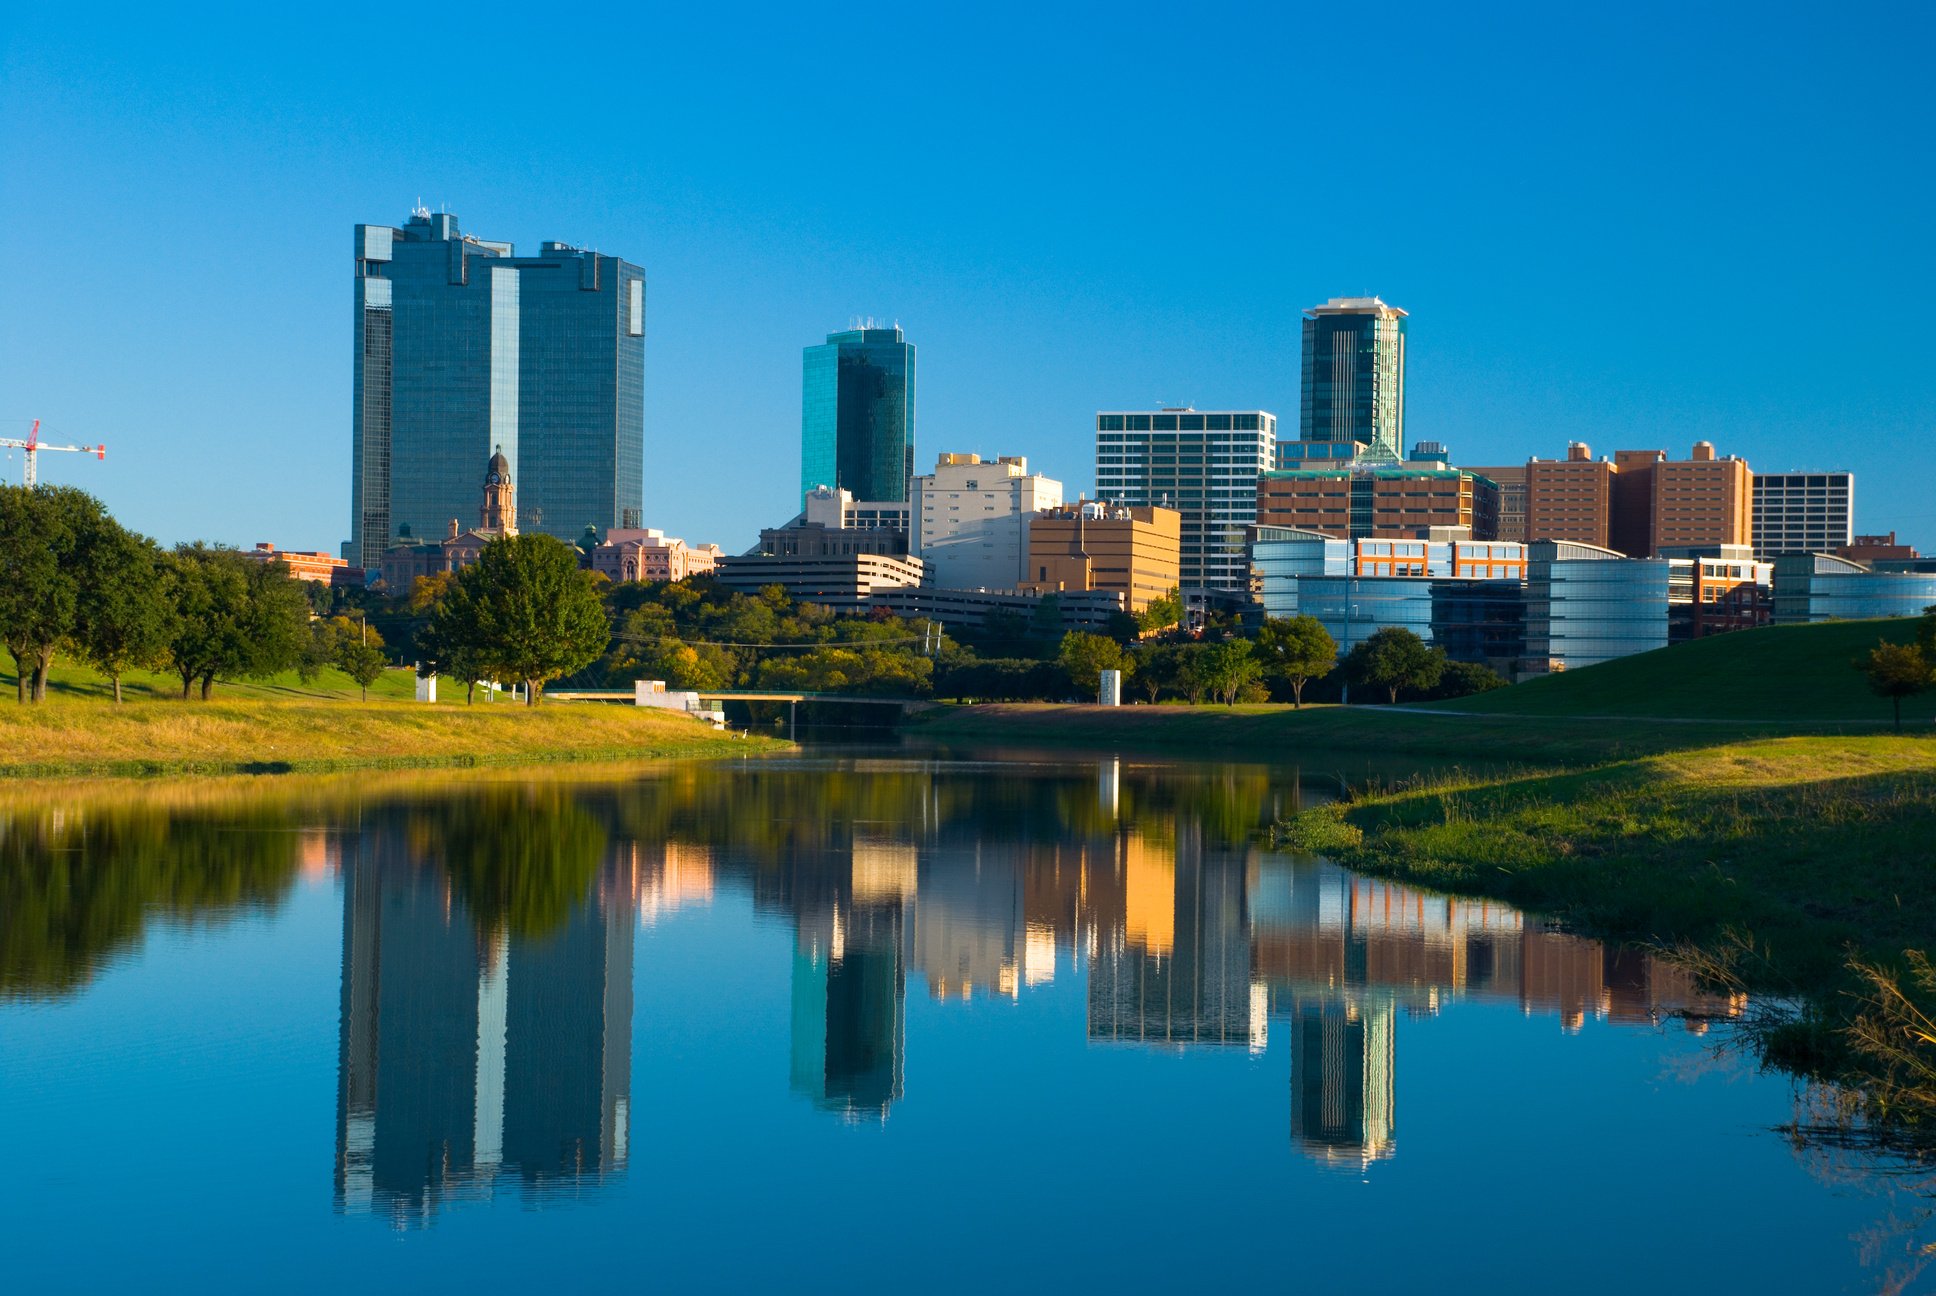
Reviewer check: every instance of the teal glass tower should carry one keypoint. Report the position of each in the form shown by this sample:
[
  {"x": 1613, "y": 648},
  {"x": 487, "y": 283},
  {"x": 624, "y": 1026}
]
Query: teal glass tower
[
  {"x": 461, "y": 347},
  {"x": 857, "y": 415},
  {"x": 1354, "y": 378}
]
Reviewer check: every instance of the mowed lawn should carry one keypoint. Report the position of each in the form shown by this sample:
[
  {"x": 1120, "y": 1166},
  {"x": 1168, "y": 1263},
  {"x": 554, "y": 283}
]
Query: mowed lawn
[{"x": 1787, "y": 675}]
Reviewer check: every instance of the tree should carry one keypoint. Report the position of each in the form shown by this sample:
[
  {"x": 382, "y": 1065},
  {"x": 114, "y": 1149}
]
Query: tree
[
  {"x": 1227, "y": 667},
  {"x": 235, "y": 616},
  {"x": 40, "y": 531},
  {"x": 1296, "y": 650},
  {"x": 1156, "y": 666},
  {"x": 1394, "y": 658},
  {"x": 354, "y": 649},
  {"x": 1896, "y": 671},
  {"x": 528, "y": 612},
  {"x": 1463, "y": 679},
  {"x": 1162, "y": 613},
  {"x": 1086, "y": 656},
  {"x": 122, "y": 618}
]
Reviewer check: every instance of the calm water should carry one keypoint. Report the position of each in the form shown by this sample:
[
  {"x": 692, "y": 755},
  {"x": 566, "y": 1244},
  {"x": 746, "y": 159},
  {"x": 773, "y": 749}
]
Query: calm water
[{"x": 852, "y": 1024}]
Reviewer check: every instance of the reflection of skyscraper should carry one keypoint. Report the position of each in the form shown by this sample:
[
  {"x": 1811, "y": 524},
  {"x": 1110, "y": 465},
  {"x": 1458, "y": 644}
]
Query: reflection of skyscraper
[
  {"x": 463, "y": 1052},
  {"x": 1342, "y": 1069},
  {"x": 1176, "y": 973},
  {"x": 968, "y": 921},
  {"x": 849, "y": 1029},
  {"x": 568, "y": 1057}
]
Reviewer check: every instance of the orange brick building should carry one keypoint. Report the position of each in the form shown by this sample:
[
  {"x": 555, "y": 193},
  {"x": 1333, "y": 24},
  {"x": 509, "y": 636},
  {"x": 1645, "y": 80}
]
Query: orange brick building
[
  {"x": 1641, "y": 502},
  {"x": 1570, "y": 499},
  {"x": 1093, "y": 546},
  {"x": 1391, "y": 503}
]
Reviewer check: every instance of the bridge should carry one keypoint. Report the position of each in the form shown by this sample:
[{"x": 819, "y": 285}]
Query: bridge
[{"x": 714, "y": 697}]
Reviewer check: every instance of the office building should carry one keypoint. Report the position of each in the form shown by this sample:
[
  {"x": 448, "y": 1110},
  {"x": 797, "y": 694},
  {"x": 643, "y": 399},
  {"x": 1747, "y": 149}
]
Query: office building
[
  {"x": 323, "y": 568},
  {"x": 857, "y": 414},
  {"x": 1202, "y": 464},
  {"x": 1279, "y": 556},
  {"x": 1094, "y": 546},
  {"x": 1586, "y": 605},
  {"x": 410, "y": 558},
  {"x": 1511, "y": 484},
  {"x": 1571, "y": 499},
  {"x": 846, "y": 582},
  {"x": 971, "y": 518},
  {"x": 1365, "y": 500},
  {"x": 461, "y": 346},
  {"x": 1820, "y": 587},
  {"x": 1715, "y": 589},
  {"x": 1641, "y": 501},
  {"x": 1353, "y": 380},
  {"x": 1803, "y": 512}
]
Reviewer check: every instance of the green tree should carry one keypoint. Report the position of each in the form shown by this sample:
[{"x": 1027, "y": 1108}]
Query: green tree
[
  {"x": 1162, "y": 613},
  {"x": 357, "y": 651},
  {"x": 1227, "y": 668},
  {"x": 1896, "y": 671},
  {"x": 1392, "y": 659},
  {"x": 235, "y": 617},
  {"x": 1086, "y": 656},
  {"x": 527, "y": 610},
  {"x": 40, "y": 587},
  {"x": 122, "y": 616},
  {"x": 1296, "y": 650},
  {"x": 1463, "y": 679}
]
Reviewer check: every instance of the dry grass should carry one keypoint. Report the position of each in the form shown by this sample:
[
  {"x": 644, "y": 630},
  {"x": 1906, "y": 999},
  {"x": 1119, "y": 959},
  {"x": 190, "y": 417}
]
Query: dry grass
[{"x": 226, "y": 735}]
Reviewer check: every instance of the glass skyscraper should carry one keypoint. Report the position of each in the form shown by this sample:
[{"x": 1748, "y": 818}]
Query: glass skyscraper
[
  {"x": 463, "y": 348},
  {"x": 857, "y": 415},
  {"x": 1354, "y": 376},
  {"x": 1203, "y": 464}
]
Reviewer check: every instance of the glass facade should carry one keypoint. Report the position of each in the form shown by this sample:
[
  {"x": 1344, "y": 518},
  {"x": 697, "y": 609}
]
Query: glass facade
[
  {"x": 462, "y": 348},
  {"x": 857, "y": 415},
  {"x": 1279, "y": 556},
  {"x": 1353, "y": 386},
  {"x": 1582, "y": 611},
  {"x": 1353, "y": 608},
  {"x": 1202, "y": 464},
  {"x": 1817, "y": 587}
]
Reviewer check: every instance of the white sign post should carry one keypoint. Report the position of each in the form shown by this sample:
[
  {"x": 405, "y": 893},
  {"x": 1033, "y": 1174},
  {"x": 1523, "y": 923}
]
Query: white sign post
[{"x": 1111, "y": 692}]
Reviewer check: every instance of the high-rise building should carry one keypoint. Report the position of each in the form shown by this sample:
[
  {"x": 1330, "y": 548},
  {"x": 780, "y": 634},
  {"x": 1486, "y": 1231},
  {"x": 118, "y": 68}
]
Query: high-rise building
[
  {"x": 1511, "y": 482},
  {"x": 1570, "y": 499},
  {"x": 971, "y": 519},
  {"x": 857, "y": 414},
  {"x": 1202, "y": 464},
  {"x": 1354, "y": 376},
  {"x": 1803, "y": 512},
  {"x": 462, "y": 347}
]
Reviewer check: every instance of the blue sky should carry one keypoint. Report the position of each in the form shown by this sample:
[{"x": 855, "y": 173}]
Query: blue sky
[{"x": 1636, "y": 227}]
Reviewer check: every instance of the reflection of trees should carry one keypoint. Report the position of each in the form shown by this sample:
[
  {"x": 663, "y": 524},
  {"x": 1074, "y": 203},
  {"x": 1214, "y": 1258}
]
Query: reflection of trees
[
  {"x": 76, "y": 889},
  {"x": 520, "y": 859}
]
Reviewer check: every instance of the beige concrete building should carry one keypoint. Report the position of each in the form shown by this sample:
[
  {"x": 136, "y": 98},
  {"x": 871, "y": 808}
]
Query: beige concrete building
[
  {"x": 1094, "y": 546},
  {"x": 646, "y": 554},
  {"x": 971, "y": 517}
]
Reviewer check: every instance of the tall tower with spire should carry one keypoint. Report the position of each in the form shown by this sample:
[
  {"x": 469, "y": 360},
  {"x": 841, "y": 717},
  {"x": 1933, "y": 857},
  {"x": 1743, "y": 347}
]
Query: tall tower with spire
[{"x": 498, "y": 516}]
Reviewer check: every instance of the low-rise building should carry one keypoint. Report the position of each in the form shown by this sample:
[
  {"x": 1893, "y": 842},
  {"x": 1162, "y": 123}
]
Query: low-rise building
[
  {"x": 1133, "y": 551},
  {"x": 324, "y": 569},
  {"x": 496, "y": 517},
  {"x": 1586, "y": 604},
  {"x": 1822, "y": 587},
  {"x": 646, "y": 554},
  {"x": 1872, "y": 548},
  {"x": 845, "y": 582}
]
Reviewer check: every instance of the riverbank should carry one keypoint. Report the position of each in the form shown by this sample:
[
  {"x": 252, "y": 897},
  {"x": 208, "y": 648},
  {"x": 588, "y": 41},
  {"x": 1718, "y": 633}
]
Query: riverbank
[
  {"x": 73, "y": 736},
  {"x": 1769, "y": 861},
  {"x": 1363, "y": 738}
]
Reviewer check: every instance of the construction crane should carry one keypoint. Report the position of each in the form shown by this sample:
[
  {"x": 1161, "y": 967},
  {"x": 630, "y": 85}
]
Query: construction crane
[{"x": 33, "y": 445}]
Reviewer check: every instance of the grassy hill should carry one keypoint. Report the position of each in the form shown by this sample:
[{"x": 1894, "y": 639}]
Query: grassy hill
[
  {"x": 1785, "y": 675},
  {"x": 73, "y": 679}
]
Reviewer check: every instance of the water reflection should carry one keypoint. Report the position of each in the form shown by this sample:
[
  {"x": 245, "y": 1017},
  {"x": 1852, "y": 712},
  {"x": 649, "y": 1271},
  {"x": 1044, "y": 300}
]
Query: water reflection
[{"x": 489, "y": 930}]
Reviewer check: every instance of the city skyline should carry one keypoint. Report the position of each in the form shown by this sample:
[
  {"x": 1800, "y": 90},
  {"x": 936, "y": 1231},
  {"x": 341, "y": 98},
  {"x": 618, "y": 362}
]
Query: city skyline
[{"x": 1101, "y": 305}]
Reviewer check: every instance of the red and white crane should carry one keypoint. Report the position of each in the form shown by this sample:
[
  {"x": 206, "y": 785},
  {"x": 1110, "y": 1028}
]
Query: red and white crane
[{"x": 33, "y": 445}]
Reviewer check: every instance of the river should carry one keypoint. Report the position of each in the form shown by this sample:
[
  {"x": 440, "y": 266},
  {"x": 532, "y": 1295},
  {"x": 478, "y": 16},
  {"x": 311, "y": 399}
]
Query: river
[{"x": 861, "y": 1021}]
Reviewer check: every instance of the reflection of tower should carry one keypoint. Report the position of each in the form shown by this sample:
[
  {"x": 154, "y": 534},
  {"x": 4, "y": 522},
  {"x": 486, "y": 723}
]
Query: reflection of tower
[
  {"x": 568, "y": 1062},
  {"x": 849, "y": 1032},
  {"x": 462, "y": 1051},
  {"x": 421, "y": 1076},
  {"x": 968, "y": 928},
  {"x": 1342, "y": 1065},
  {"x": 1174, "y": 967}
]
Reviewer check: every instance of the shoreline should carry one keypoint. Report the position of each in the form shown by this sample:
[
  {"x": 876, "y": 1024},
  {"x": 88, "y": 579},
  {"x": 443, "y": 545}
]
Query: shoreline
[{"x": 226, "y": 736}]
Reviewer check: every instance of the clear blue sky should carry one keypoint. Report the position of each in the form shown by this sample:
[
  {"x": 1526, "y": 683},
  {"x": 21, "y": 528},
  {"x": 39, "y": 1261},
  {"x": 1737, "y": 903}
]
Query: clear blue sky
[{"x": 1633, "y": 226}]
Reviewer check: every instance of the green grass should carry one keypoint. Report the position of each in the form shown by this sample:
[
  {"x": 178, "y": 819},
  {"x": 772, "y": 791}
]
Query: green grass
[
  {"x": 75, "y": 680},
  {"x": 70, "y": 734},
  {"x": 1350, "y": 740},
  {"x": 1796, "y": 676},
  {"x": 1778, "y": 858}
]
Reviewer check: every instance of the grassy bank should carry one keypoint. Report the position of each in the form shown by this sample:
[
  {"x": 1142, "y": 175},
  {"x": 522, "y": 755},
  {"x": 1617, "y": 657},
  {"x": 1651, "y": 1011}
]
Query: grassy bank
[
  {"x": 72, "y": 735},
  {"x": 1776, "y": 859},
  {"x": 1349, "y": 739}
]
